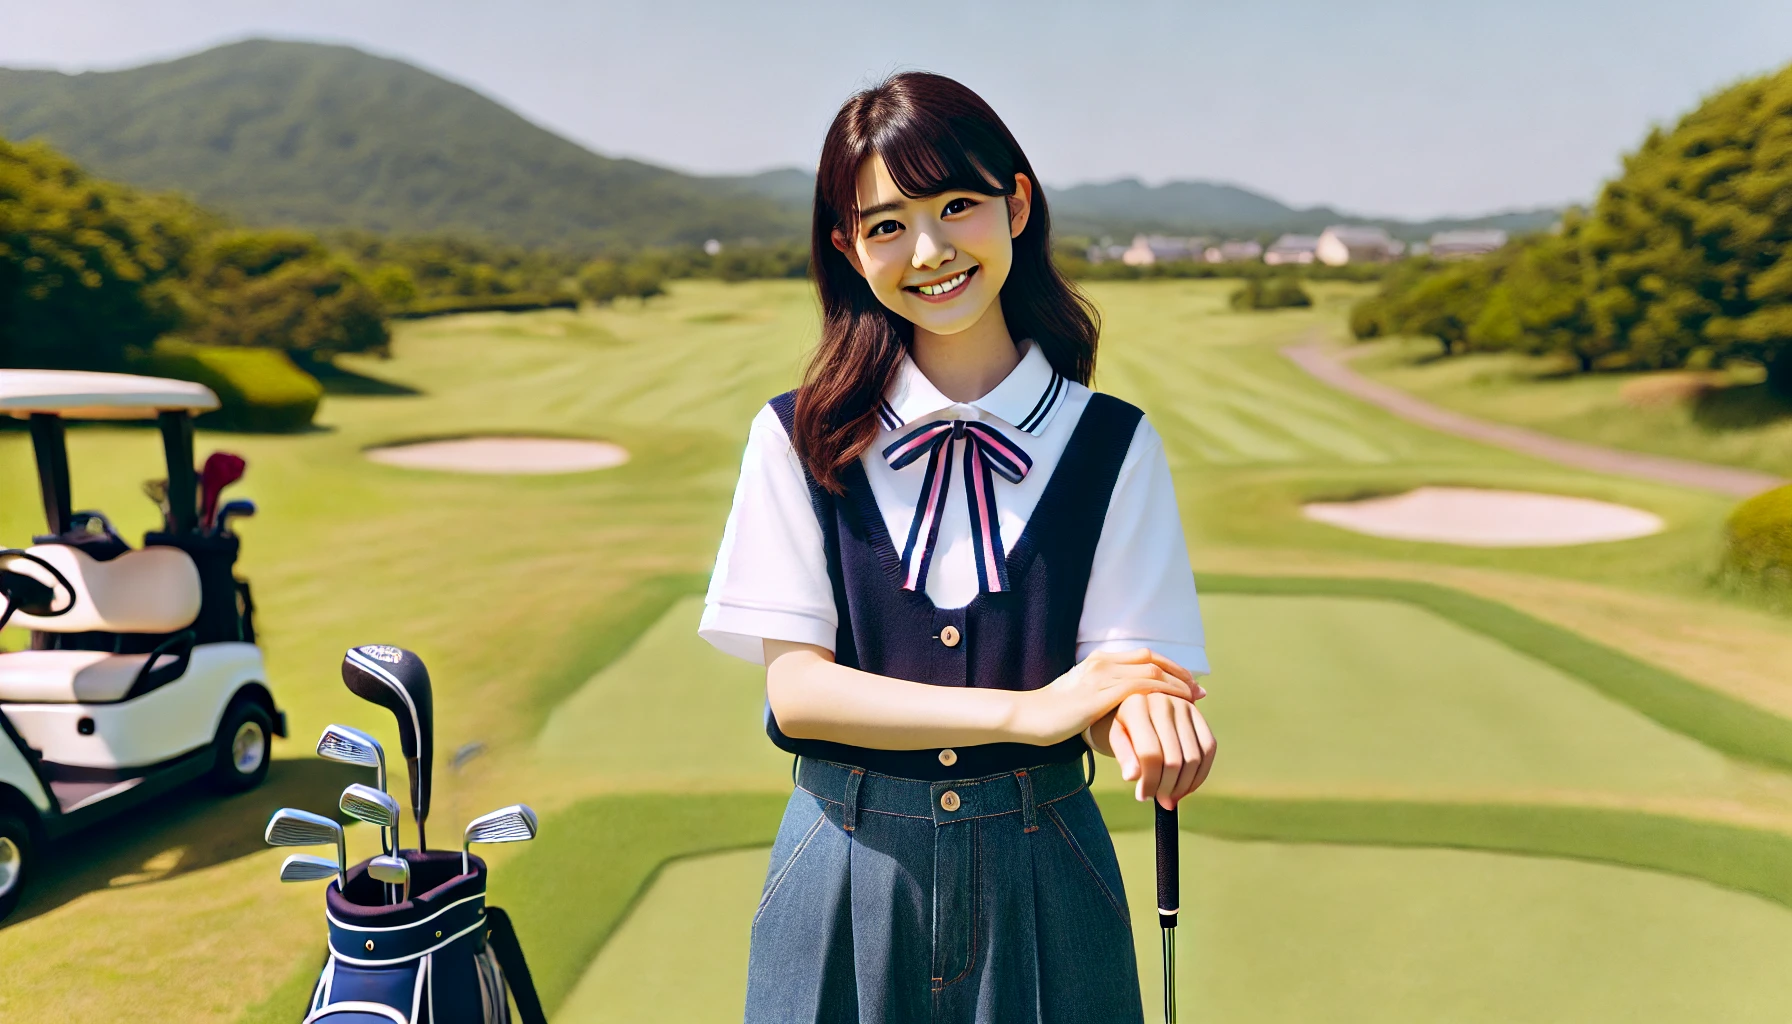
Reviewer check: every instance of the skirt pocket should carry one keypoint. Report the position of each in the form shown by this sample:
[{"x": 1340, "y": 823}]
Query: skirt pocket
[
  {"x": 1077, "y": 822},
  {"x": 781, "y": 869}
]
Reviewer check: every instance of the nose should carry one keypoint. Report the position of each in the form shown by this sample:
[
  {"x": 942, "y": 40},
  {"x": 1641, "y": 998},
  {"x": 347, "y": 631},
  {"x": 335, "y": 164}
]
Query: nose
[{"x": 931, "y": 252}]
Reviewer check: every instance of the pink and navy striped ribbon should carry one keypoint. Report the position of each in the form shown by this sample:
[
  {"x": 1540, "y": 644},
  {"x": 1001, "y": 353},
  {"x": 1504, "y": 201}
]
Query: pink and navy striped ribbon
[{"x": 987, "y": 453}]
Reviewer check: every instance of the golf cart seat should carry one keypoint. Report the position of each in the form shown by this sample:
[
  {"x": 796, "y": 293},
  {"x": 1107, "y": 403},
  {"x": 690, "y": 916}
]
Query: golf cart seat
[
  {"x": 73, "y": 677},
  {"x": 153, "y": 590}
]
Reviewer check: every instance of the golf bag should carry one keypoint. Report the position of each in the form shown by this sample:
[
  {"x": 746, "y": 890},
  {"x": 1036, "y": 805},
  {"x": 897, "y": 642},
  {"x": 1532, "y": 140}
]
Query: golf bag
[{"x": 441, "y": 957}]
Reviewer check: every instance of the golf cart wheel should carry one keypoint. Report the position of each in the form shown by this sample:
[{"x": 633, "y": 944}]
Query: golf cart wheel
[
  {"x": 243, "y": 747},
  {"x": 15, "y": 860}
]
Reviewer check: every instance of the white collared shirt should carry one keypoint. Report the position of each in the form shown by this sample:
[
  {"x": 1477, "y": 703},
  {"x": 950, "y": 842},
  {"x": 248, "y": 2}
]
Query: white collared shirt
[{"x": 771, "y": 576}]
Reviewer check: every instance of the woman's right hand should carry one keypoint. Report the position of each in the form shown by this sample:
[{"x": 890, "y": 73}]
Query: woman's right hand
[{"x": 1075, "y": 700}]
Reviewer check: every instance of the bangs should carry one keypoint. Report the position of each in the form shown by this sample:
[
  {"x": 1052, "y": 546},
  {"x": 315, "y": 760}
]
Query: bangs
[{"x": 928, "y": 147}]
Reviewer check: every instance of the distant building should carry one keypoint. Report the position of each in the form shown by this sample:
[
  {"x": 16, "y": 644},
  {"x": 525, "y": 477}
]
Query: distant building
[
  {"x": 1232, "y": 252},
  {"x": 1343, "y": 244},
  {"x": 1292, "y": 249},
  {"x": 1149, "y": 249},
  {"x": 1447, "y": 245}
]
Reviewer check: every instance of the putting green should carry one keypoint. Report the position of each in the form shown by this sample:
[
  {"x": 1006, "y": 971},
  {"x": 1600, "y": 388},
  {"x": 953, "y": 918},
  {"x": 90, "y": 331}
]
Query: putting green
[
  {"x": 1311, "y": 695},
  {"x": 1283, "y": 932}
]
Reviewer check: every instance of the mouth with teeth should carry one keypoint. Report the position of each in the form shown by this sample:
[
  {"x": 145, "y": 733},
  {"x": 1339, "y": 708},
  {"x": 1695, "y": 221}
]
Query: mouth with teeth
[{"x": 943, "y": 289}]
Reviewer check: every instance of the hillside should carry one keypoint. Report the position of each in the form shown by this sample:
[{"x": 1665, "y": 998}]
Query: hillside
[{"x": 327, "y": 136}]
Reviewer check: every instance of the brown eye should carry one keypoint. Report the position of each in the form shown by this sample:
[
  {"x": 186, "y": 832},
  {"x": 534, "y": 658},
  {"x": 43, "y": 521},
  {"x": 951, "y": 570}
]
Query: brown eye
[
  {"x": 883, "y": 227},
  {"x": 958, "y": 205}
]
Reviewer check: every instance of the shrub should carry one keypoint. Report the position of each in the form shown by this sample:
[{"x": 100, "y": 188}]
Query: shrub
[
  {"x": 1758, "y": 542},
  {"x": 283, "y": 290},
  {"x": 1271, "y": 293},
  {"x": 260, "y": 390}
]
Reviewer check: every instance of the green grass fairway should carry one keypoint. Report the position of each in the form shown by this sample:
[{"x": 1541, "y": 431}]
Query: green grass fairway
[
  {"x": 1742, "y": 425},
  {"x": 1281, "y": 932}
]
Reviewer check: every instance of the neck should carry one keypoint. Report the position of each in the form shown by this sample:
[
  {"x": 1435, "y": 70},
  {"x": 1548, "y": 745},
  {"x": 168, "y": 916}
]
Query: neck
[{"x": 967, "y": 365}]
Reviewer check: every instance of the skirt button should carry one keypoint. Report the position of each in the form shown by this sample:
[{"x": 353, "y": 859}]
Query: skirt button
[
  {"x": 948, "y": 757},
  {"x": 949, "y": 800},
  {"x": 949, "y": 636}
]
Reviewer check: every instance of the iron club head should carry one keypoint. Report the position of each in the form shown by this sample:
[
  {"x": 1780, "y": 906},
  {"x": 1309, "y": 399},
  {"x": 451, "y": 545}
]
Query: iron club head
[
  {"x": 375, "y": 807},
  {"x": 292, "y": 827},
  {"x": 392, "y": 871},
  {"x": 513, "y": 824},
  {"x": 397, "y": 680},
  {"x": 352, "y": 746},
  {"x": 241, "y": 508},
  {"x": 303, "y": 867}
]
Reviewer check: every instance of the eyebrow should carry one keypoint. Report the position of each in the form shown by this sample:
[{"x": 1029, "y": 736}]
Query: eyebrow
[{"x": 872, "y": 211}]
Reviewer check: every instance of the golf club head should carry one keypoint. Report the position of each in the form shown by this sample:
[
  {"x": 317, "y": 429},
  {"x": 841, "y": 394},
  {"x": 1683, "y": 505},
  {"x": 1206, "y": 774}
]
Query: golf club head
[
  {"x": 220, "y": 471},
  {"x": 352, "y": 746},
  {"x": 242, "y": 508},
  {"x": 292, "y": 827},
  {"x": 392, "y": 871},
  {"x": 513, "y": 824},
  {"x": 396, "y": 680},
  {"x": 364, "y": 803},
  {"x": 303, "y": 867}
]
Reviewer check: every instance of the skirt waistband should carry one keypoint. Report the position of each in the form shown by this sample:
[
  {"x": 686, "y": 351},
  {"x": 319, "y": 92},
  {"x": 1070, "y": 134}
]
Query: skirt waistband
[{"x": 859, "y": 791}]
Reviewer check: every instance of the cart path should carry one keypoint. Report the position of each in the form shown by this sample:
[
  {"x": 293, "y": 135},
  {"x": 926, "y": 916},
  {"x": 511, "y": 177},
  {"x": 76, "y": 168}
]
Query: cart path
[{"x": 1329, "y": 369}]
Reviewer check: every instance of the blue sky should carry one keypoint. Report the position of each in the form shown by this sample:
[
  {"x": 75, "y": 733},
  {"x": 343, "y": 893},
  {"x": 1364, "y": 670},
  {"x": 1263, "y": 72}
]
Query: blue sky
[{"x": 1400, "y": 108}]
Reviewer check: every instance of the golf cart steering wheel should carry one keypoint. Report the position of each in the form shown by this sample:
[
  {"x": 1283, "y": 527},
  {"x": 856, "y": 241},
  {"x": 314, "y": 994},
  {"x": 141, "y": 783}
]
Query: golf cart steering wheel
[{"x": 28, "y": 593}]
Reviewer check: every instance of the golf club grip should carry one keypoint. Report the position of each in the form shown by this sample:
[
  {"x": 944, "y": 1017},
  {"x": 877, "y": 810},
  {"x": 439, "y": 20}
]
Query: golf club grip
[
  {"x": 502, "y": 937},
  {"x": 1168, "y": 879}
]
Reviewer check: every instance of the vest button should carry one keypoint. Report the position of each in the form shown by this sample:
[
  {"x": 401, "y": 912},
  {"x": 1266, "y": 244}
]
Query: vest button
[
  {"x": 949, "y": 801},
  {"x": 949, "y": 636},
  {"x": 948, "y": 757}
]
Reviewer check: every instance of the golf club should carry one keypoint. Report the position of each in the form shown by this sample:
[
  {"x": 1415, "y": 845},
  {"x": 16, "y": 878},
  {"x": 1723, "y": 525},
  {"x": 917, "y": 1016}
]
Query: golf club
[
  {"x": 396, "y": 680},
  {"x": 157, "y": 491},
  {"x": 394, "y": 871},
  {"x": 513, "y": 824},
  {"x": 1168, "y": 900},
  {"x": 352, "y": 746},
  {"x": 220, "y": 471},
  {"x": 240, "y": 508},
  {"x": 376, "y": 807},
  {"x": 303, "y": 867},
  {"x": 291, "y": 827}
]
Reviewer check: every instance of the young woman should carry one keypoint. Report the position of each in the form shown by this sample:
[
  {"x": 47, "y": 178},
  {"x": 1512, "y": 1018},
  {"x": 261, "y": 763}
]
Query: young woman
[{"x": 963, "y": 570}]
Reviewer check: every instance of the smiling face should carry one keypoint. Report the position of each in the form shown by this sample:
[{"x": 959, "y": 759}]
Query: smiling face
[{"x": 939, "y": 261}]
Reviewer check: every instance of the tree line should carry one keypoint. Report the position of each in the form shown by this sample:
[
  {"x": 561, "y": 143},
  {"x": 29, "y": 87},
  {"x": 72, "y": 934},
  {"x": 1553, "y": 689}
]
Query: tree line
[
  {"x": 1684, "y": 259},
  {"x": 94, "y": 273}
]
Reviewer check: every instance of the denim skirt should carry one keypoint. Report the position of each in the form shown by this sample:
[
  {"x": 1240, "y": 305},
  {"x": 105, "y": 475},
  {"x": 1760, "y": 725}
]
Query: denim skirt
[{"x": 896, "y": 901}]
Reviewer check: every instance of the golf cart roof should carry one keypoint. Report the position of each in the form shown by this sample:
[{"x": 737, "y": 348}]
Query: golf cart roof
[{"x": 80, "y": 394}]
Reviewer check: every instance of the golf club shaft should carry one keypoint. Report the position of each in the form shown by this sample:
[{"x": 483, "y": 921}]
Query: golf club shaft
[
  {"x": 418, "y": 798},
  {"x": 1168, "y": 901}
]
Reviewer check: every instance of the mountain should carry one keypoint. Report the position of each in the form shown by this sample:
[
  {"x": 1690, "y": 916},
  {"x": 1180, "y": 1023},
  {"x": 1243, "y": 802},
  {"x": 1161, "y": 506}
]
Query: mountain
[
  {"x": 1128, "y": 206},
  {"x": 328, "y": 136}
]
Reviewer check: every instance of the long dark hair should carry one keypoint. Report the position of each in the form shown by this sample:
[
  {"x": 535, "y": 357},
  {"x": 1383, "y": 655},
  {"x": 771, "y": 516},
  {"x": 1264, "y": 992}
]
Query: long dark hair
[{"x": 935, "y": 136}]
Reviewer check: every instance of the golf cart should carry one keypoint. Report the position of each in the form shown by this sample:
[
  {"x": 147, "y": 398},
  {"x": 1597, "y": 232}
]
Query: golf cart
[{"x": 142, "y": 673}]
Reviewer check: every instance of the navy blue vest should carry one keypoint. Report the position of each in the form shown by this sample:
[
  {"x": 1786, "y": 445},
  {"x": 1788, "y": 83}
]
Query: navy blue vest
[{"x": 1019, "y": 639}]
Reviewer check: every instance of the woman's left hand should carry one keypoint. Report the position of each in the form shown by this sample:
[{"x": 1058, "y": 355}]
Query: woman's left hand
[{"x": 1162, "y": 744}]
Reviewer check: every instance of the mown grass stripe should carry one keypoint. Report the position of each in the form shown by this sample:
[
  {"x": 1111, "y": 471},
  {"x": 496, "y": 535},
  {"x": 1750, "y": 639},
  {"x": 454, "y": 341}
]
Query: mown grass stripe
[
  {"x": 1734, "y": 856},
  {"x": 1717, "y": 720}
]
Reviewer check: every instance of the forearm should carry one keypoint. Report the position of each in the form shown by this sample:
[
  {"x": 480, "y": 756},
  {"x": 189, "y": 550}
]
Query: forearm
[{"x": 813, "y": 698}]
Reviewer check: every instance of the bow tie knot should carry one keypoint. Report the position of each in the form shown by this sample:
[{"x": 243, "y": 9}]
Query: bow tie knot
[{"x": 987, "y": 454}]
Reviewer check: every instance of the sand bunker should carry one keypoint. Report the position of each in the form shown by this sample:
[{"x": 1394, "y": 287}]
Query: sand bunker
[
  {"x": 1487, "y": 519},
  {"x": 534, "y": 455}
]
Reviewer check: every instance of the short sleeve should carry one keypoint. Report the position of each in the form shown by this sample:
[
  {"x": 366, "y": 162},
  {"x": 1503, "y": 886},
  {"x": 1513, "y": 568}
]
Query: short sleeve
[
  {"x": 1141, "y": 587},
  {"x": 771, "y": 576}
]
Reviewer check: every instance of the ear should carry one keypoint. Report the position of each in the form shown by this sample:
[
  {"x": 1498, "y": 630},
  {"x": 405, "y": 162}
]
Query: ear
[
  {"x": 1020, "y": 205},
  {"x": 847, "y": 249}
]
